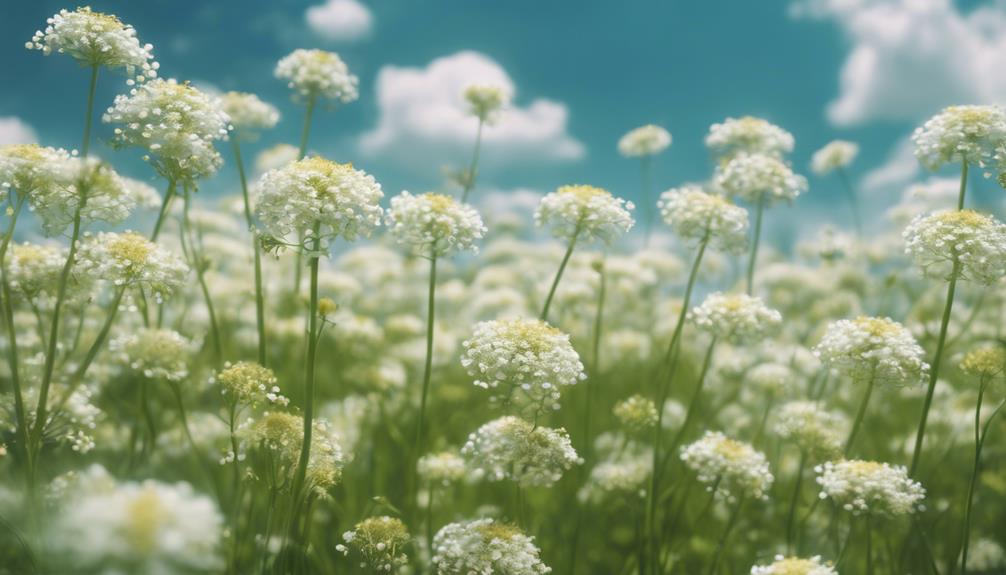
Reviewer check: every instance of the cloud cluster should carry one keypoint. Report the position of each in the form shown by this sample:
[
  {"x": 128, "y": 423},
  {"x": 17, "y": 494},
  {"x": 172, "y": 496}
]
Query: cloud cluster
[
  {"x": 14, "y": 130},
  {"x": 340, "y": 20}
]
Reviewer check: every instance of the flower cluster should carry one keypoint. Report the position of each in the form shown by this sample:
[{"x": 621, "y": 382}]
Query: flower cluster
[
  {"x": 584, "y": 212},
  {"x": 380, "y": 542},
  {"x": 320, "y": 197},
  {"x": 155, "y": 353},
  {"x": 961, "y": 133},
  {"x": 965, "y": 242},
  {"x": 729, "y": 466},
  {"x": 530, "y": 360},
  {"x": 637, "y": 413},
  {"x": 33, "y": 269},
  {"x": 760, "y": 178},
  {"x": 833, "y": 156},
  {"x": 281, "y": 434},
  {"x": 872, "y": 347},
  {"x": 814, "y": 429},
  {"x": 434, "y": 224},
  {"x": 735, "y": 317},
  {"x": 30, "y": 170},
  {"x": 626, "y": 475},
  {"x": 984, "y": 362},
  {"x": 314, "y": 74},
  {"x": 795, "y": 566},
  {"x": 485, "y": 547},
  {"x": 696, "y": 216},
  {"x": 93, "y": 189},
  {"x": 485, "y": 101},
  {"x": 441, "y": 468},
  {"x": 869, "y": 487},
  {"x": 248, "y": 113},
  {"x": 128, "y": 259},
  {"x": 249, "y": 383},
  {"x": 511, "y": 448},
  {"x": 748, "y": 135},
  {"x": 647, "y": 140},
  {"x": 96, "y": 39}
]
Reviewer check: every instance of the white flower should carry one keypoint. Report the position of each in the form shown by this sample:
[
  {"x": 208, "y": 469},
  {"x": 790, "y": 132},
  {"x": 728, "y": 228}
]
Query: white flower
[
  {"x": 625, "y": 475},
  {"x": 247, "y": 112},
  {"x": 636, "y": 412},
  {"x": 33, "y": 269},
  {"x": 380, "y": 541},
  {"x": 434, "y": 224},
  {"x": 976, "y": 241},
  {"x": 522, "y": 361},
  {"x": 872, "y": 347},
  {"x": 695, "y": 216},
  {"x": 585, "y": 212},
  {"x": 94, "y": 187},
  {"x": 250, "y": 383},
  {"x": 735, "y": 317},
  {"x": 30, "y": 169},
  {"x": 985, "y": 555},
  {"x": 317, "y": 74},
  {"x": 812, "y": 428},
  {"x": 971, "y": 133},
  {"x": 282, "y": 434},
  {"x": 795, "y": 566},
  {"x": 735, "y": 468},
  {"x": 176, "y": 123},
  {"x": 155, "y": 353},
  {"x": 129, "y": 259},
  {"x": 759, "y": 177},
  {"x": 485, "y": 547},
  {"x": 647, "y": 140},
  {"x": 444, "y": 468},
  {"x": 485, "y": 101},
  {"x": 834, "y": 155},
  {"x": 340, "y": 200},
  {"x": 748, "y": 135},
  {"x": 96, "y": 39},
  {"x": 869, "y": 487},
  {"x": 511, "y": 448}
]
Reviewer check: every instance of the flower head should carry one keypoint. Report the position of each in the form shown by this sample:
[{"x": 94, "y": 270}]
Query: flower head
[
  {"x": 795, "y": 566},
  {"x": 380, "y": 542},
  {"x": 748, "y": 135},
  {"x": 96, "y": 39},
  {"x": 155, "y": 353},
  {"x": 444, "y": 468},
  {"x": 637, "y": 413},
  {"x": 585, "y": 212},
  {"x": 129, "y": 259},
  {"x": 965, "y": 242},
  {"x": 648, "y": 140},
  {"x": 834, "y": 155},
  {"x": 873, "y": 347},
  {"x": 281, "y": 435},
  {"x": 30, "y": 169},
  {"x": 94, "y": 188},
  {"x": 696, "y": 216},
  {"x": 869, "y": 487},
  {"x": 734, "y": 467},
  {"x": 250, "y": 383},
  {"x": 961, "y": 133},
  {"x": 248, "y": 113},
  {"x": 624, "y": 475},
  {"x": 316, "y": 74},
  {"x": 485, "y": 101},
  {"x": 33, "y": 269},
  {"x": 985, "y": 362},
  {"x": 759, "y": 177},
  {"x": 434, "y": 224},
  {"x": 511, "y": 448},
  {"x": 735, "y": 317},
  {"x": 812, "y": 428},
  {"x": 485, "y": 546}
]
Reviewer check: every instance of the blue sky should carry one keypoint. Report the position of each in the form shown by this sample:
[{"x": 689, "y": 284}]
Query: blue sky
[{"x": 606, "y": 66}]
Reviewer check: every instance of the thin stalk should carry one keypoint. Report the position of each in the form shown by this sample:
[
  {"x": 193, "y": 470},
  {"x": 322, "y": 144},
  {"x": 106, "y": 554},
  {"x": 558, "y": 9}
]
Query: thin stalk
[
  {"x": 759, "y": 214},
  {"x": 595, "y": 359},
  {"x": 199, "y": 264},
  {"x": 794, "y": 501},
  {"x": 869, "y": 546},
  {"x": 301, "y": 151},
  {"x": 474, "y": 166},
  {"x": 692, "y": 411},
  {"x": 259, "y": 292},
  {"x": 760, "y": 430},
  {"x": 165, "y": 206},
  {"x": 89, "y": 118},
  {"x": 731, "y": 523},
  {"x": 644, "y": 181},
  {"x": 972, "y": 483},
  {"x": 861, "y": 412},
  {"x": 429, "y": 520},
  {"x": 558, "y": 275},
  {"x": 12, "y": 352},
  {"x": 427, "y": 369},
  {"x": 850, "y": 194}
]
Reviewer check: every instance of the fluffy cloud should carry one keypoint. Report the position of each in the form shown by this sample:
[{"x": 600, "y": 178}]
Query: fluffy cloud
[
  {"x": 909, "y": 58},
  {"x": 340, "y": 20},
  {"x": 15, "y": 131},
  {"x": 900, "y": 167},
  {"x": 423, "y": 118}
]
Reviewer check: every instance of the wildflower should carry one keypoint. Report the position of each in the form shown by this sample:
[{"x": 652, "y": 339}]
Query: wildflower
[
  {"x": 92, "y": 187},
  {"x": 130, "y": 260},
  {"x": 511, "y": 448},
  {"x": 380, "y": 542},
  {"x": 648, "y": 140},
  {"x": 96, "y": 39},
  {"x": 869, "y": 487},
  {"x": 735, "y": 317},
  {"x": 33, "y": 269},
  {"x": 624, "y": 475},
  {"x": 529, "y": 360},
  {"x": 870, "y": 347},
  {"x": 814, "y": 429},
  {"x": 248, "y": 113},
  {"x": 734, "y": 468},
  {"x": 696, "y": 216},
  {"x": 434, "y": 224},
  {"x": 592, "y": 212},
  {"x": 31, "y": 169},
  {"x": 250, "y": 383},
  {"x": 985, "y": 555},
  {"x": 155, "y": 353},
  {"x": 970, "y": 134},
  {"x": 748, "y": 135},
  {"x": 281, "y": 434},
  {"x": 485, "y": 101},
  {"x": 760, "y": 178},
  {"x": 315, "y": 74},
  {"x": 965, "y": 242},
  {"x": 795, "y": 566},
  {"x": 444, "y": 468},
  {"x": 485, "y": 546},
  {"x": 834, "y": 155},
  {"x": 314, "y": 192},
  {"x": 984, "y": 362},
  {"x": 637, "y": 413}
]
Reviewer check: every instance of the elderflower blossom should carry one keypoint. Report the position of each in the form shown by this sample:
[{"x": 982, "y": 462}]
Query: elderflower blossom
[
  {"x": 735, "y": 317},
  {"x": 33, "y": 269},
  {"x": 96, "y": 39},
  {"x": 155, "y": 353},
  {"x": 129, "y": 259},
  {"x": 696, "y": 216},
  {"x": 871, "y": 347},
  {"x": 814, "y": 429},
  {"x": 748, "y": 135},
  {"x": 485, "y": 101},
  {"x": 30, "y": 170},
  {"x": 647, "y": 140},
  {"x": 637, "y": 413},
  {"x": 444, "y": 468},
  {"x": 833, "y": 156},
  {"x": 380, "y": 542},
  {"x": 984, "y": 362},
  {"x": 735, "y": 468},
  {"x": 434, "y": 224},
  {"x": 760, "y": 178},
  {"x": 281, "y": 435},
  {"x": 337, "y": 199},
  {"x": 248, "y": 113},
  {"x": 511, "y": 448},
  {"x": 94, "y": 190},
  {"x": 584, "y": 212},
  {"x": 795, "y": 566},
  {"x": 315, "y": 74},
  {"x": 975, "y": 242},
  {"x": 249, "y": 383},
  {"x": 149, "y": 527},
  {"x": 521, "y": 361},
  {"x": 485, "y": 547},
  {"x": 961, "y": 133},
  {"x": 176, "y": 123},
  {"x": 869, "y": 487}
]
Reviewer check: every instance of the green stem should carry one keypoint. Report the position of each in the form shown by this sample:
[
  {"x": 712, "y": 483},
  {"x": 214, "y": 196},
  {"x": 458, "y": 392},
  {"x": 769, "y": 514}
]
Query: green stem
[
  {"x": 429, "y": 521},
  {"x": 301, "y": 152},
  {"x": 165, "y": 206},
  {"x": 558, "y": 275},
  {"x": 596, "y": 360},
  {"x": 12, "y": 351},
  {"x": 199, "y": 263},
  {"x": 973, "y": 482},
  {"x": 90, "y": 111},
  {"x": 850, "y": 194},
  {"x": 794, "y": 501},
  {"x": 473, "y": 167},
  {"x": 759, "y": 214},
  {"x": 692, "y": 411},
  {"x": 417, "y": 445},
  {"x": 259, "y": 292},
  {"x": 861, "y": 412},
  {"x": 869, "y": 546},
  {"x": 731, "y": 523}
]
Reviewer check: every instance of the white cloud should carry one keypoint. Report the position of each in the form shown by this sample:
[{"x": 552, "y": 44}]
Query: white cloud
[
  {"x": 900, "y": 167},
  {"x": 909, "y": 58},
  {"x": 13, "y": 130},
  {"x": 423, "y": 118},
  {"x": 340, "y": 20}
]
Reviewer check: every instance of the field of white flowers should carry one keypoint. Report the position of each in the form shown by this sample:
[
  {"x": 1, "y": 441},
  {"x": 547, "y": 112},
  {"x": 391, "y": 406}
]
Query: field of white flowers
[{"x": 310, "y": 377}]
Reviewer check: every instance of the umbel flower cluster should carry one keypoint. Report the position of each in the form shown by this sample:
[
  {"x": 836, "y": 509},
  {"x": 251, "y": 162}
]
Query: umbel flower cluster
[
  {"x": 697, "y": 216},
  {"x": 485, "y": 546},
  {"x": 645, "y": 140},
  {"x": 317, "y": 74},
  {"x": 965, "y": 243},
  {"x": 869, "y": 487},
  {"x": 873, "y": 348},
  {"x": 735, "y": 317},
  {"x": 730, "y": 468},
  {"x": 511, "y": 448},
  {"x": 584, "y": 211},
  {"x": 434, "y": 224},
  {"x": 973, "y": 134},
  {"x": 486, "y": 101}
]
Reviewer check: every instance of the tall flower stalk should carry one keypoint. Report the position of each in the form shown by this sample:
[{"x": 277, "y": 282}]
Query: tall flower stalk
[
  {"x": 836, "y": 156},
  {"x": 644, "y": 143},
  {"x": 485, "y": 103}
]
